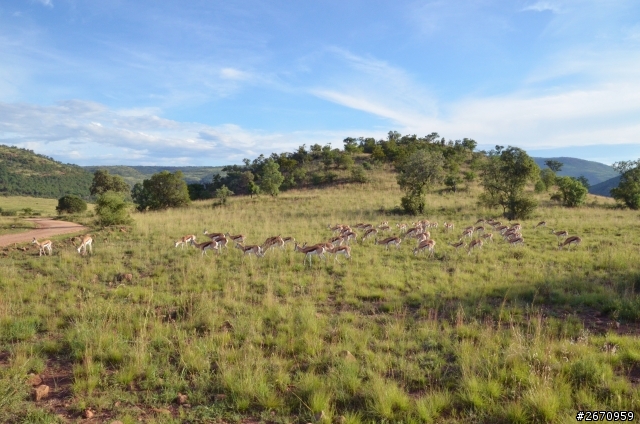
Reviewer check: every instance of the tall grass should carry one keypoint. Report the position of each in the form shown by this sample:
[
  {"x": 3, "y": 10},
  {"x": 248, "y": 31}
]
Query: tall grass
[{"x": 496, "y": 336}]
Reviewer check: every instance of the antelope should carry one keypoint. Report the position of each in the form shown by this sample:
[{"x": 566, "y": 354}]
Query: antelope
[
  {"x": 402, "y": 227},
  {"x": 423, "y": 237},
  {"x": 212, "y": 235},
  {"x": 467, "y": 233},
  {"x": 541, "y": 224},
  {"x": 252, "y": 249},
  {"x": 571, "y": 240},
  {"x": 350, "y": 235},
  {"x": 457, "y": 245},
  {"x": 488, "y": 236},
  {"x": 412, "y": 232},
  {"x": 43, "y": 247},
  {"x": 340, "y": 250},
  {"x": 369, "y": 233},
  {"x": 560, "y": 234},
  {"x": 185, "y": 240},
  {"x": 85, "y": 241},
  {"x": 480, "y": 221},
  {"x": 272, "y": 242},
  {"x": 479, "y": 229},
  {"x": 289, "y": 240},
  {"x": 448, "y": 226},
  {"x": 236, "y": 239},
  {"x": 390, "y": 241},
  {"x": 427, "y": 244},
  {"x": 336, "y": 241},
  {"x": 221, "y": 242},
  {"x": 383, "y": 223},
  {"x": 475, "y": 244},
  {"x": 207, "y": 245},
  {"x": 434, "y": 225},
  {"x": 384, "y": 228},
  {"x": 501, "y": 229},
  {"x": 317, "y": 250},
  {"x": 496, "y": 224},
  {"x": 516, "y": 226},
  {"x": 516, "y": 241}
]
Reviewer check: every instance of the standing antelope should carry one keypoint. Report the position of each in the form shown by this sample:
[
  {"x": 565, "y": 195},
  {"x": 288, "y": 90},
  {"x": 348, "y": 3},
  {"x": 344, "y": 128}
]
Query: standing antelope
[
  {"x": 575, "y": 240},
  {"x": 560, "y": 234},
  {"x": 475, "y": 244},
  {"x": 236, "y": 239},
  {"x": 185, "y": 240},
  {"x": 541, "y": 224},
  {"x": 289, "y": 240},
  {"x": 253, "y": 249},
  {"x": 448, "y": 226},
  {"x": 516, "y": 241},
  {"x": 457, "y": 245},
  {"x": 402, "y": 227},
  {"x": 207, "y": 245},
  {"x": 272, "y": 242},
  {"x": 390, "y": 241},
  {"x": 369, "y": 233},
  {"x": 44, "y": 246},
  {"x": 86, "y": 240},
  {"x": 317, "y": 250},
  {"x": 428, "y": 245},
  {"x": 212, "y": 235},
  {"x": 488, "y": 236},
  {"x": 340, "y": 250}
]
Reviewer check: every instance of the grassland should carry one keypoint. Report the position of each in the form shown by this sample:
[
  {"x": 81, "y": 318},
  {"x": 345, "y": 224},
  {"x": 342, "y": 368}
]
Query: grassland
[{"x": 525, "y": 334}]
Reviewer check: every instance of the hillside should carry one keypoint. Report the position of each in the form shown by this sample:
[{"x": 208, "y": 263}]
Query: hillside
[
  {"x": 604, "y": 188},
  {"x": 595, "y": 172},
  {"x": 23, "y": 172},
  {"x": 136, "y": 174}
]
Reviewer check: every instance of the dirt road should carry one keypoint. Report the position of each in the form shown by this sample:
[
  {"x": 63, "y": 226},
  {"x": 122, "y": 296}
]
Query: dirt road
[{"x": 46, "y": 228}]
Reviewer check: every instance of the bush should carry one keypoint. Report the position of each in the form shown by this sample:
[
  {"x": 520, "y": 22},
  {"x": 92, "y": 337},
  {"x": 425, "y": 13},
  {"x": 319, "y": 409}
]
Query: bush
[
  {"x": 413, "y": 203},
  {"x": 71, "y": 204},
  {"x": 112, "y": 209},
  {"x": 359, "y": 175},
  {"x": 573, "y": 192}
]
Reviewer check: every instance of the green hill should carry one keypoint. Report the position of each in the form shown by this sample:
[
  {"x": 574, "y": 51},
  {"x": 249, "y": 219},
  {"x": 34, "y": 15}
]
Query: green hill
[
  {"x": 604, "y": 188},
  {"x": 595, "y": 172},
  {"x": 136, "y": 174},
  {"x": 23, "y": 172}
]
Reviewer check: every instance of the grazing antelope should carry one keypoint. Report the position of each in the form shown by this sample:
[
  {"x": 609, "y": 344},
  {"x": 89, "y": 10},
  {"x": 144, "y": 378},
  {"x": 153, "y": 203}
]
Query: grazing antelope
[
  {"x": 384, "y": 228},
  {"x": 390, "y": 241},
  {"x": 272, "y": 242},
  {"x": 44, "y": 246},
  {"x": 428, "y": 245},
  {"x": 516, "y": 227},
  {"x": 541, "y": 224},
  {"x": 480, "y": 221},
  {"x": 239, "y": 238},
  {"x": 475, "y": 244},
  {"x": 496, "y": 224},
  {"x": 412, "y": 232},
  {"x": 488, "y": 236},
  {"x": 212, "y": 235},
  {"x": 560, "y": 234},
  {"x": 207, "y": 245},
  {"x": 479, "y": 229},
  {"x": 221, "y": 242},
  {"x": 575, "y": 240},
  {"x": 458, "y": 245},
  {"x": 340, "y": 250},
  {"x": 290, "y": 240},
  {"x": 467, "y": 233},
  {"x": 370, "y": 233},
  {"x": 85, "y": 241},
  {"x": 185, "y": 240},
  {"x": 423, "y": 237},
  {"x": 516, "y": 241},
  {"x": 501, "y": 229},
  {"x": 448, "y": 226},
  {"x": 317, "y": 250},
  {"x": 402, "y": 227},
  {"x": 252, "y": 249},
  {"x": 350, "y": 235},
  {"x": 337, "y": 241}
]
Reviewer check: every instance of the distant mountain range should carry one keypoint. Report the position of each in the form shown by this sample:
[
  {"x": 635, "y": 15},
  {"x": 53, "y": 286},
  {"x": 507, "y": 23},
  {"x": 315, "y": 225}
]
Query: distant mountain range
[
  {"x": 136, "y": 174},
  {"x": 601, "y": 177}
]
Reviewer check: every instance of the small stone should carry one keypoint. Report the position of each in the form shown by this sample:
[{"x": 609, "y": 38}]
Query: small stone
[
  {"x": 88, "y": 413},
  {"x": 341, "y": 419},
  {"x": 34, "y": 380},
  {"x": 117, "y": 405},
  {"x": 41, "y": 392},
  {"x": 181, "y": 399},
  {"x": 220, "y": 397},
  {"x": 348, "y": 356},
  {"x": 319, "y": 416}
]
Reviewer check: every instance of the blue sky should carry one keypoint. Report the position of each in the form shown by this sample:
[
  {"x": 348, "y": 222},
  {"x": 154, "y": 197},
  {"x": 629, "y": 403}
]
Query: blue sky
[{"x": 211, "y": 82}]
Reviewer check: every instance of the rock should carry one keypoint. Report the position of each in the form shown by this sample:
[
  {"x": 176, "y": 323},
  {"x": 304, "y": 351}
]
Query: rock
[
  {"x": 41, "y": 392},
  {"x": 88, "y": 413},
  {"x": 181, "y": 399},
  {"x": 34, "y": 380},
  {"x": 348, "y": 356},
  {"x": 319, "y": 416},
  {"x": 220, "y": 397},
  {"x": 163, "y": 411},
  {"x": 341, "y": 419}
]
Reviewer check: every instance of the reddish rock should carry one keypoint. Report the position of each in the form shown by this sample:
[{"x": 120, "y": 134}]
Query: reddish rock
[{"x": 41, "y": 392}]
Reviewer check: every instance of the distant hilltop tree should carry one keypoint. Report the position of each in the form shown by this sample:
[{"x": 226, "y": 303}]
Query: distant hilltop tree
[
  {"x": 103, "y": 182},
  {"x": 162, "y": 191},
  {"x": 71, "y": 204}
]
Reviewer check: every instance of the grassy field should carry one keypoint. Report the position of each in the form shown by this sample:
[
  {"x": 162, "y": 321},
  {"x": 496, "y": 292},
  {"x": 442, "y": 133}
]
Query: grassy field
[
  {"x": 525, "y": 334},
  {"x": 45, "y": 207}
]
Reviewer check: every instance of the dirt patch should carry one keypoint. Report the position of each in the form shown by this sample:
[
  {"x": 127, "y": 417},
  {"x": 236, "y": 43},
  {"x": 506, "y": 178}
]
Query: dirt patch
[
  {"x": 4, "y": 358},
  {"x": 45, "y": 228},
  {"x": 58, "y": 375}
]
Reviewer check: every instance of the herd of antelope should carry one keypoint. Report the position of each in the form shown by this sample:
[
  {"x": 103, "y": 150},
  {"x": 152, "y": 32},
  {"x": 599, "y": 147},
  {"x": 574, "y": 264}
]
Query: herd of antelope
[
  {"x": 47, "y": 245},
  {"x": 344, "y": 235}
]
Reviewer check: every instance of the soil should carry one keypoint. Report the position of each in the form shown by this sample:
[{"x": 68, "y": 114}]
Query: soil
[{"x": 45, "y": 228}]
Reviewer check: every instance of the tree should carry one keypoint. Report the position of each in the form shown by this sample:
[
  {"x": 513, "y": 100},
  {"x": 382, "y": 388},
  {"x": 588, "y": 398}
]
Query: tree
[
  {"x": 419, "y": 172},
  {"x": 504, "y": 178},
  {"x": 359, "y": 175},
  {"x": 548, "y": 177},
  {"x": 628, "y": 190},
  {"x": 112, "y": 209},
  {"x": 572, "y": 191},
  {"x": 554, "y": 165},
  {"x": 452, "y": 181},
  {"x": 163, "y": 190},
  {"x": 271, "y": 178},
  {"x": 223, "y": 193},
  {"x": 103, "y": 182},
  {"x": 71, "y": 204},
  {"x": 584, "y": 181}
]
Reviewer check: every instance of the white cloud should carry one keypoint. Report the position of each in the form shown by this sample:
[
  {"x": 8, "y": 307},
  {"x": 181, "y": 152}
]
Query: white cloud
[
  {"x": 47, "y": 3},
  {"x": 543, "y": 6}
]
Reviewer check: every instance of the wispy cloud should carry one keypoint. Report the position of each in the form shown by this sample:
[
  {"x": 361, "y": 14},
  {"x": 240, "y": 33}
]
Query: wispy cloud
[
  {"x": 544, "y": 6},
  {"x": 47, "y": 3}
]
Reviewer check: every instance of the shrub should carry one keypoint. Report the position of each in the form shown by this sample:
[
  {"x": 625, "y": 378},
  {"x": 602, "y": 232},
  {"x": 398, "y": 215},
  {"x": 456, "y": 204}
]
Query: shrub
[
  {"x": 71, "y": 204},
  {"x": 112, "y": 209}
]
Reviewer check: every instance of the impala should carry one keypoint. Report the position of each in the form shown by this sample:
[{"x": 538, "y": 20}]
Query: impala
[
  {"x": 317, "y": 250},
  {"x": 402, "y": 227},
  {"x": 479, "y": 229},
  {"x": 427, "y": 244},
  {"x": 44, "y": 246},
  {"x": 390, "y": 241},
  {"x": 212, "y": 235},
  {"x": 480, "y": 221},
  {"x": 488, "y": 236},
  {"x": 541, "y": 224},
  {"x": 236, "y": 239},
  {"x": 516, "y": 241},
  {"x": 448, "y": 226},
  {"x": 370, "y": 233},
  {"x": 384, "y": 228},
  {"x": 272, "y": 242},
  {"x": 221, "y": 242},
  {"x": 207, "y": 245},
  {"x": 560, "y": 234},
  {"x": 475, "y": 244},
  {"x": 85, "y": 241},
  {"x": 185, "y": 240},
  {"x": 252, "y": 249},
  {"x": 340, "y": 250},
  {"x": 350, "y": 236},
  {"x": 575, "y": 240},
  {"x": 457, "y": 245},
  {"x": 289, "y": 240}
]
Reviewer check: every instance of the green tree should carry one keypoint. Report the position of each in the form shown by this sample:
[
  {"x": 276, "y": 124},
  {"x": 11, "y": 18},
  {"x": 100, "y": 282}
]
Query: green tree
[
  {"x": 584, "y": 181},
  {"x": 344, "y": 160},
  {"x": 504, "y": 178},
  {"x": 254, "y": 189},
  {"x": 572, "y": 191},
  {"x": 452, "y": 182},
  {"x": 271, "y": 178},
  {"x": 540, "y": 186},
  {"x": 103, "y": 182},
  {"x": 112, "y": 209},
  {"x": 548, "y": 177},
  {"x": 359, "y": 175},
  {"x": 554, "y": 165},
  {"x": 163, "y": 190},
  {"x": 71, "y": 204},
  {"x": 628, "y": 190},
  {"x": 417, "y": 174},
  {"x": 223, "y": 193}
]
